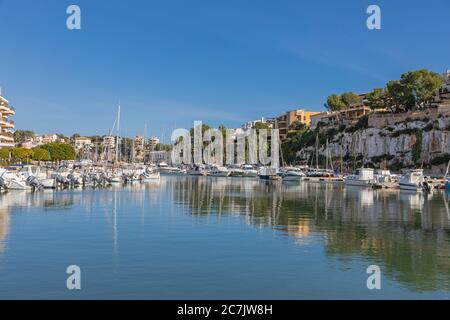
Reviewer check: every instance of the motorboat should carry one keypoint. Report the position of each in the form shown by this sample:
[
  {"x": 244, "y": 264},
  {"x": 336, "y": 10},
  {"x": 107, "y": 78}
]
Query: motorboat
[
  {"x": 146, "y": 176},
  {"x": 197, "y": 171},
  {"x": 268, "y": 173},
  {"x": 165, "y": 168},
  {"x": 414, "y": 180},
  {"x": 363, "y": 177},
  {"x": 293, "y": 174},
  {"x": 43, "y": 178},
  {"x": 249, "y": 171},
  {"x": 385, "y": 179},
  {"x": 14, "y": 180},
  {"x": 218, "y": 171},
  {"x": 320, "y": 173}
]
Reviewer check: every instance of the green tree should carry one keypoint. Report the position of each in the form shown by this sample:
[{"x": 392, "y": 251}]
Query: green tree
[
  {"x": 377, "y": 98},
  {"x": 21, "y": 154},
  {"x": 422, "y": 85},
  {"x": 399, "y": 97},
  {"x": 60, "y": 151},
  {"x": 350, "y": 99},
  {"x": 21, "y": 136},
  {"x": 298, "y": 126},
  {"x": 40, "y": 154},
  {"x": 415, "y": 89},
  {"x": 334, "y": 103},
  {"x": 261, "y": 125},
  {"x": 4, "y": 155}
]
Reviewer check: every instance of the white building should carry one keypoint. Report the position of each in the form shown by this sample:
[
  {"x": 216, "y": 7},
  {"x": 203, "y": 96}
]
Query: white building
[
  {"x": 252, "y": 124},
  {"x": 153, "y": 142},
  {"x": 6, "y": 125}
]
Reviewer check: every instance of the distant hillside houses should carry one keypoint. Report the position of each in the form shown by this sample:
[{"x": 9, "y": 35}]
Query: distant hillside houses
[
  {"x": 40, "y": 140},
  {"x": 351, "y": 115}
]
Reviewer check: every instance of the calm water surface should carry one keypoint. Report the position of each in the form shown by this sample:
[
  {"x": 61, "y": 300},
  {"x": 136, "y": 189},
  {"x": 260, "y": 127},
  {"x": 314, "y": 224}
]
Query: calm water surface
[{"x": 224, "y": 238}]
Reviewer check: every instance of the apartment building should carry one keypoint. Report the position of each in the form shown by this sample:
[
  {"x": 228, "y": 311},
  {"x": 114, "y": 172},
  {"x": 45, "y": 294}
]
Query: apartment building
[
  {"x": 252, "y": 124},
  {"x": 152, "y": 143},
  {"x": 82, "y": 142},
  {"x": 283, "y": 122},
  {"x": 6, "y": 125}
]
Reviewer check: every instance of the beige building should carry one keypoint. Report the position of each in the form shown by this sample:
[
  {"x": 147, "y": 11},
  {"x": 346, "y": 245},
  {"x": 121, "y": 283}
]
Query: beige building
[
  {"x": 82, "y": 142},
  {"x": 152, "y": 143},
  {"x": 283, "y": 122},
  {"x": 323, "y": 117},
  {"x": 109, "y": 142},
  {"x": 49, "y": 138},
  {"x": 6, "y": 125}
]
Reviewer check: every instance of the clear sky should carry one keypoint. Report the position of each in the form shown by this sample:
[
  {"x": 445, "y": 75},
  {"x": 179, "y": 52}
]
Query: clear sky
[{"x": 172, "y": 62}]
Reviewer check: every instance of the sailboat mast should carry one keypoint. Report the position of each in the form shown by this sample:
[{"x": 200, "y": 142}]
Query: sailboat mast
[
  {"x": 317, "y": 151},
  {"x": 117, "y": 135}
]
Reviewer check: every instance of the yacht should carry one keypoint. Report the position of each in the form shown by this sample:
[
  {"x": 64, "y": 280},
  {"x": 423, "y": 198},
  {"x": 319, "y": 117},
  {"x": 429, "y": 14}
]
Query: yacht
[
  {"x": 217, "y": 171},
  {"x": 197, "y": 171},
  {"x": 363, "y": 177},
  {"x": 415, "y": 181},
  {"x": 236, "y": 171},
  {"x": 293, "y": 174},
  {"x": 165, "y": 168},
  {"x": 320, "y": 173},
  {"x": 116, "y": 177},
  {"x": 268, "y": 173},
  {"x": 249, "y": 171},
  {"x": 146, "y": 176},
  {"x": 385, "y": 179}
]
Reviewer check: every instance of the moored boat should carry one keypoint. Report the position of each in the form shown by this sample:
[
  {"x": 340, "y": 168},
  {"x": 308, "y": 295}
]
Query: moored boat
[
  {"x": 414, "y": 180},
  {"x": 218, "y": 171},
  {"x": 293, "y": 174},
  {"x": 363, "y": 177}
]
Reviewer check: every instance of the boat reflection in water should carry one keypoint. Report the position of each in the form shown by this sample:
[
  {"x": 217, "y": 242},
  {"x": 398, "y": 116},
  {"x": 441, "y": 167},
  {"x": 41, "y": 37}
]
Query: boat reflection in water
[
  {"x": 406, "y": 232},
  {"x": 246, "y": 238}
]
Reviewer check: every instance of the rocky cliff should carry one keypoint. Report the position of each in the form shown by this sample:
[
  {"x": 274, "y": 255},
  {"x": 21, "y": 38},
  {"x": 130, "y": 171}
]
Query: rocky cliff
[{"x": 410, "y": 143}]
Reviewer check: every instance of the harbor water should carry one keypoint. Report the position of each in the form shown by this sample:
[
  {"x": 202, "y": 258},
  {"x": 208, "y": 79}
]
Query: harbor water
[{"x": 186, "y": 237}]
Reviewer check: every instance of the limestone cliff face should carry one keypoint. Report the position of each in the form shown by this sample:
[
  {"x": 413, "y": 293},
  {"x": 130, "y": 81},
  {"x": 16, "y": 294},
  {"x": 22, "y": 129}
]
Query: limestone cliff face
[{"x": 405, "y": 144}]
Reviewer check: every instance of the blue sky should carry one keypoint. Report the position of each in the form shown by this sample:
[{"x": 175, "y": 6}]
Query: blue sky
[{"x": 172, "y": 62}]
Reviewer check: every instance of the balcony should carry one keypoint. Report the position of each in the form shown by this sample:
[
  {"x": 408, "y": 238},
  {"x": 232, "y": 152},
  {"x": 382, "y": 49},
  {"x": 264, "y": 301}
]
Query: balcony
[
  {"x": 8, "y": 111},
  {"x": 7, "y": 123},
  {"x": 8, "y": 136}
]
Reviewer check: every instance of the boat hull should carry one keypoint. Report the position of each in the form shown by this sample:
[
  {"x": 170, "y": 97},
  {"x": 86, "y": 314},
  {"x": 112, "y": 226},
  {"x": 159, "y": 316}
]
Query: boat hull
[
  {"x": 220, "y": 174},
  {"x": 358, "y": 183},
  {"x": 293, "y": 178},
  {"x": 410, "y": 187}
]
